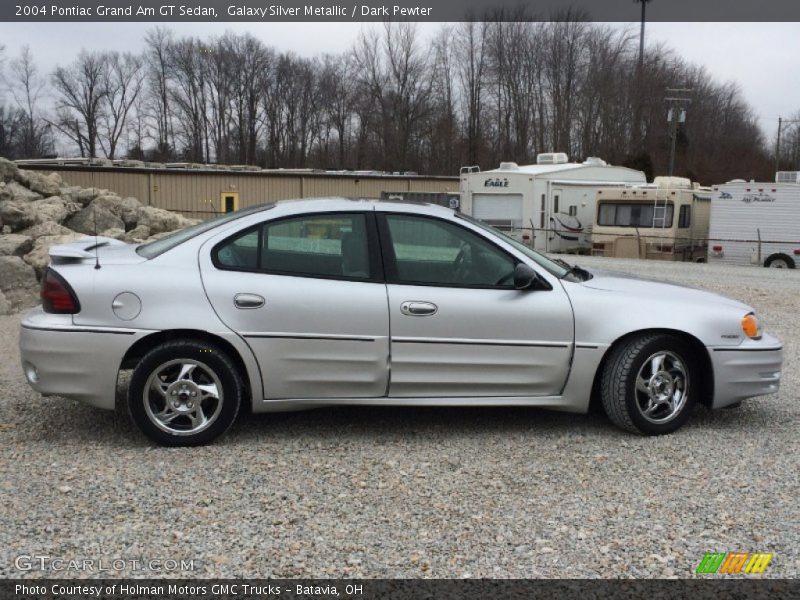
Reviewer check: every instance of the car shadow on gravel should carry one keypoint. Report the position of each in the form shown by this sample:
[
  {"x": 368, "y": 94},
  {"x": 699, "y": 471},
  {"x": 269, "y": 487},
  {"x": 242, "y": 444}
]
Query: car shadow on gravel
[{"x": 59, "y": 421}]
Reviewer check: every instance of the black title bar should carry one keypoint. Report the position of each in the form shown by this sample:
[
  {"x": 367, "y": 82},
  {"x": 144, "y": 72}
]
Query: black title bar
[{"x": 396, "y": 10}]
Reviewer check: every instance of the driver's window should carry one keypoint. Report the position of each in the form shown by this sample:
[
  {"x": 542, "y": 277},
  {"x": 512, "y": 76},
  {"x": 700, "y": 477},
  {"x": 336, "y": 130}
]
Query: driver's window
[{"x": 433, "y": 252}]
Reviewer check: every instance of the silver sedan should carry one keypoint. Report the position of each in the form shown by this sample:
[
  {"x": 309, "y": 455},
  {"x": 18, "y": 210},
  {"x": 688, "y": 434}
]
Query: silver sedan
[{"x": 327, "y": 302}]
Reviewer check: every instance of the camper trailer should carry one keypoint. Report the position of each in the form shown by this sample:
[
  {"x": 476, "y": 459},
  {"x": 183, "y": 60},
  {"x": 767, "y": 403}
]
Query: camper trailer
[
  {"x": 665, "y": 220},
  {"x": 549, "y": 205},
  {"x": 757, "y": 223}
]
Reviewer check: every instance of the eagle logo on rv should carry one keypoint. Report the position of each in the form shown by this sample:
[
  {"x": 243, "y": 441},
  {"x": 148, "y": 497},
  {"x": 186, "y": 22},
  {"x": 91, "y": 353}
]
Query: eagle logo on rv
[{"x": 496, "y": 182}]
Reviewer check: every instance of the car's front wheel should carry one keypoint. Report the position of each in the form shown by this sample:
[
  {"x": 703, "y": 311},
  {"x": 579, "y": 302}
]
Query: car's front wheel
[
  {"x": 184, "y": 393},
  {"x": 649, "y": 384}
]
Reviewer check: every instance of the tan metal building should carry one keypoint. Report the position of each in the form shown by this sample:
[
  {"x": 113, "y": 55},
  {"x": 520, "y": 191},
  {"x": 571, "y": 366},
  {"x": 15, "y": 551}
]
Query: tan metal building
[{"x": 200, "y": 191}]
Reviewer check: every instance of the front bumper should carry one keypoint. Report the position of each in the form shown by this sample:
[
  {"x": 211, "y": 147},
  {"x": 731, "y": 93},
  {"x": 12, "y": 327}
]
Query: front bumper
[
  {"x": 751, "y": 369},
  {"x": 63, "y": 359}
]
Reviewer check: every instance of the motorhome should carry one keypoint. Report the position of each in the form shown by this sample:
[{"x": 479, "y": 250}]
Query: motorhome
[
  {"x": 665, "y": 220},
  {"x": 549, "y": 205},
  {"x": 756, "y": 223}
]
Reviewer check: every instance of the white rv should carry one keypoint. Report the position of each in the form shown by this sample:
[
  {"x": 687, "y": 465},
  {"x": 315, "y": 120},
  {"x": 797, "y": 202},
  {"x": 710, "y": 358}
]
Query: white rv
[
  {"x": 756, "y": 223},
  {"x": 664, "y": 220},
  {"x": 549, "y": 205}
]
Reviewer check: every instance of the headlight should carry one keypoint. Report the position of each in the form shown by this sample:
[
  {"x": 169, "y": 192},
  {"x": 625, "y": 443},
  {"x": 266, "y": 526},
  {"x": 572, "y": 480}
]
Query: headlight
[{"x": 750, "y": 326}]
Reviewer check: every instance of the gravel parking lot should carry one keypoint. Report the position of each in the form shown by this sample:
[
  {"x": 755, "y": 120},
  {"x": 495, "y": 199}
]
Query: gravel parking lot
[{"x": 368, "y": 492}]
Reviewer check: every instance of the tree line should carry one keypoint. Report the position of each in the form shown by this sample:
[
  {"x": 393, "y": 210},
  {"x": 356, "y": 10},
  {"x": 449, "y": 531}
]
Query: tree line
[{"x": 476, "y": 93}]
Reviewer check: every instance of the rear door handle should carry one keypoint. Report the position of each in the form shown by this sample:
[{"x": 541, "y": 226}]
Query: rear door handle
[
  {"x": 248, "y": 301},
  {"x": 415, "y": 308}
]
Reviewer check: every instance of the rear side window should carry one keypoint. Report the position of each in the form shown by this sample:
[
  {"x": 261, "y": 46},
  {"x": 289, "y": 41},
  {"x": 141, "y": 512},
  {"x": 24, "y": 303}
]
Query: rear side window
[
  {"x": 328, "y": 246},
  {"x": 319, "y": 245}
]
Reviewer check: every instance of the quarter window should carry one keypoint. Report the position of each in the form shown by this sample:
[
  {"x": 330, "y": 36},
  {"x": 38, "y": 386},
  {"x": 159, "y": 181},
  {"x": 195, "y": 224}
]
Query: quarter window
[{"x": 433, "y": 252}]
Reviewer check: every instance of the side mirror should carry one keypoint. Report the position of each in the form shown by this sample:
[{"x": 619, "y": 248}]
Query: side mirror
[{"x": 524, "y": 277}]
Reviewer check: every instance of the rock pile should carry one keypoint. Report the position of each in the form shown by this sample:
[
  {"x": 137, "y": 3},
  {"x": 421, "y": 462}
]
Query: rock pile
[{"x": 38, "y": 211}]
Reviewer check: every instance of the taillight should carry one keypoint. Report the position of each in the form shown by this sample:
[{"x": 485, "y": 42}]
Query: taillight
[
  {"x": 716, "y": 248},
  {"x": 797, "y": 251},
  {"x": 57, "y": 295}
]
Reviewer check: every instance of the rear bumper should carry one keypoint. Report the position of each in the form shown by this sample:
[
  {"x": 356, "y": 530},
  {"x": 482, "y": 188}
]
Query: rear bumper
[
  {"x": 59, "y": 358},
  {"x": 750, "y": 369}
]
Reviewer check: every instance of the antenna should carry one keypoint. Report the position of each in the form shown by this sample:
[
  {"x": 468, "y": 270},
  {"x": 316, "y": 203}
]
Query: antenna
[{"x": 94, "y": 215}]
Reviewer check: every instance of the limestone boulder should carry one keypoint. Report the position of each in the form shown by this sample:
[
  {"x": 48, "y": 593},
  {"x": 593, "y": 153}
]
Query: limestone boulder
[
  {"x": 17, "y": 215},
  {"x": 94, "y": 218},
  {"x": 36, "y": 181},
  {"x": 21, "y": 193},
  {"x": 15, "y": 244},
  {"x": 8, "y": 170},
  {"x": 18, "y": 283},
  {"x": 159, "y": 220}
]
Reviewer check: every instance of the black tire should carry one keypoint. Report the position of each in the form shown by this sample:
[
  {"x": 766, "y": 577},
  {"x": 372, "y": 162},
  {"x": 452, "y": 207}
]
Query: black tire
[
  {"x": 622, "y": 402},
  {"x": 785, "y": 262},
  {"x": 206, "y": 362}
]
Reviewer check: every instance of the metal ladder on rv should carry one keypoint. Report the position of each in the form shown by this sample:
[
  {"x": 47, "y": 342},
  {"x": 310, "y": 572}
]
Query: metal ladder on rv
[{"x": 660, "y": 216}]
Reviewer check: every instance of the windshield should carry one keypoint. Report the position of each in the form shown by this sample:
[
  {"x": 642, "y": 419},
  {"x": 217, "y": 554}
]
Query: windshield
[
  {"x": 153, "y": 249},
  {"x": 549, "y": 265}
]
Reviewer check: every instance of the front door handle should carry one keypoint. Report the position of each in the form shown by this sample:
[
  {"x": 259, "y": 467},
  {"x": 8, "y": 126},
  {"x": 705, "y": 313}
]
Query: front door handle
[
  {"x": 415, "y": 308},
  {"x": 248, "y": 301}
]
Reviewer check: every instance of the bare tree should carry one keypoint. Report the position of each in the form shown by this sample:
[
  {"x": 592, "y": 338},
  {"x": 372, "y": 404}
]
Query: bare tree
[
  {"x": 81, "y": 90},
  {"x": 157, "y": 57},
  {"x": 27, "y": 87},
  {"x": 123, "y": 78}
]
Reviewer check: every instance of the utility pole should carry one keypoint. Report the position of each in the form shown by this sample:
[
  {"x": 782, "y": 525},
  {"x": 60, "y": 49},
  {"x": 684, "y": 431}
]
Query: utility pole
[
  {"x": 641, "y": 33},
  {"x": 781, "y": 122},
  {"x": 677, "y": 101},
  {"x": 637, "y": 115}
]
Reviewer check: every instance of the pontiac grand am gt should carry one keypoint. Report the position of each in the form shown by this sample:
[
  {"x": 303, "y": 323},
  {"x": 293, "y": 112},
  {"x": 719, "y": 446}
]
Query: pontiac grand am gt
[{"x": 327, "y": 302}]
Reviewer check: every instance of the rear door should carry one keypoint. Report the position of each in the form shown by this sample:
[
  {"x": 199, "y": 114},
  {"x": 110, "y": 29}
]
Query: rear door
[
  {"x": 307, "y": 294},
  {"x": 458, "y": 327}
]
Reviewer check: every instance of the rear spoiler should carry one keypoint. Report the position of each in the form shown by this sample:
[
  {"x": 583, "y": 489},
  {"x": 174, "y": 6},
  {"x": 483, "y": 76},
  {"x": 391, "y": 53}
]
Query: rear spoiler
[{"x": 82, "y": 248}]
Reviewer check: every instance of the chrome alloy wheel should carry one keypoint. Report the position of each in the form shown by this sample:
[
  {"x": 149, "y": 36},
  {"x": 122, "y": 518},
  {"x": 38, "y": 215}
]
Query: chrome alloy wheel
[
  {"x": 183, "y": 396},
  {"x": 662, "y": 385}
]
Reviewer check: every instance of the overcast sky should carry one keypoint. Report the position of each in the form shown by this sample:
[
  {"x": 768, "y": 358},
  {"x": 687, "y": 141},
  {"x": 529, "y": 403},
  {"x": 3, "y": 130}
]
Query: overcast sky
[{"x": 763, "y": 58}]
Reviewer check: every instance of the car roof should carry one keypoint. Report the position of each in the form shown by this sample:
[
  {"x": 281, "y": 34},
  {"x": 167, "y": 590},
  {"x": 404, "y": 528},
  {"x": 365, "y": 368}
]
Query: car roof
[{"x": 331, "y": 204}]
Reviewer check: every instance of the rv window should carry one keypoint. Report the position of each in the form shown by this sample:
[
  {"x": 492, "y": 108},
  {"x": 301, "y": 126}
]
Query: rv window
[
  {"x": 573, "y": 211},
  {"x": 631, "y": 214},
  {"x": 555, "y": 203},
  {"x": 685, "y": 216}
]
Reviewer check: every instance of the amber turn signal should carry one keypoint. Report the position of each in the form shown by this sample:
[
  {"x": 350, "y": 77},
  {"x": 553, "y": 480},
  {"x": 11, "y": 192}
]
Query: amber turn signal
[{"x": 750, "y": 326}]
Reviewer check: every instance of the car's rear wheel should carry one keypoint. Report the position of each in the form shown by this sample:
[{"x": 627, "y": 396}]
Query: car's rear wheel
[
  {"x": 184, "y": 393},
  {"x": 648, "y": 384}
]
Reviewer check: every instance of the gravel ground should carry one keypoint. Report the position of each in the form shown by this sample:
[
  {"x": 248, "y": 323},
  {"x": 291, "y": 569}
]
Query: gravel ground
[{"x": 368, "y": 492}]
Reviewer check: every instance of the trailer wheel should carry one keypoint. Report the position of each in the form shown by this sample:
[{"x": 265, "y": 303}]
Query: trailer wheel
[{"x": 779, "y": 261}]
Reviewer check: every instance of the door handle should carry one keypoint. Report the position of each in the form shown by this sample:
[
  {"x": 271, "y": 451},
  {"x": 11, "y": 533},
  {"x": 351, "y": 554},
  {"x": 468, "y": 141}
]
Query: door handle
[
  {"x": 248, "y": 301},
  {"x": 414, "y": 308}
]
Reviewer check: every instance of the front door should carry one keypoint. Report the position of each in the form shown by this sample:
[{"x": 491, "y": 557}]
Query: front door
[
  {"x": 458, "y": 327},
  {"x": 307, "y": 295}
]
